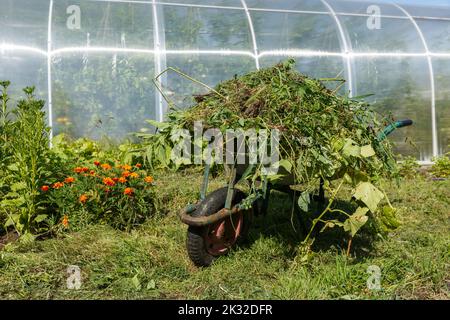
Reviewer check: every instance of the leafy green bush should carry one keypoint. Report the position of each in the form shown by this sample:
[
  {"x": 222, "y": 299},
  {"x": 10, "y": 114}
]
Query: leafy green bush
[
  {"x": 5, "y": 152},
  {"x": 25, "y": 161},
  {"x": 441, "y": 166},
  {"x": 85, "y": 150},
  {"x": 408, "y": 167}
]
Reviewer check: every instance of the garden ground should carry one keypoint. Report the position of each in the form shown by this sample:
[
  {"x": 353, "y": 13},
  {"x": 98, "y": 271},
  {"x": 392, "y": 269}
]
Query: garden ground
[{"x": 151, "y": 261}]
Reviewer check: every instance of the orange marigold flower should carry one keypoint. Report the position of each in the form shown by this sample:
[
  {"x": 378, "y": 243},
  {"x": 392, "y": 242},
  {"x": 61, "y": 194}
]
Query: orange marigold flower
[
  {"x": 128, "y": 191},
  {"x": 69, "y": 180},
  {"x": 83, "y": 198},
  {"x": 45, "y": 188},
  {"x": 115, "y": 179},
  {"x": 65, "y": 221},
  {"x": 84, "y": 169},
  {"x": 138, "y": 165},
  {"x": 148, "y": 179},
  {"x": 96, "y": 163},
  {"x": 134, "y": 175},
  {"x": 126, "y": 167},
  {"x": 106, "y": 166},
  {"x": 126, "y": 174},
  {"x": 58, "y": 185},
  {"x": 122, "y": 180},
  {"x": 78, "y": 170},
  {"x": 109, "y": 181},
  {"x": 92, "y": 173}
]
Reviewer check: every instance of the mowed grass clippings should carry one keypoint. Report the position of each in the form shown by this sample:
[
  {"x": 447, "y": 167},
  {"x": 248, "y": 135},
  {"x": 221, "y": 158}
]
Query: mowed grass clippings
[
  {"x": 317, "y": 126},
  {"x": 151, "y": 262},
  {"x": 322, "y": 135}
]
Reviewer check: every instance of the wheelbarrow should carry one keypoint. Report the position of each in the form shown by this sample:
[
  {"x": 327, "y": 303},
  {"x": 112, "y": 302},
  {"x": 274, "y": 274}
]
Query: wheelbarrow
[{"x": 222, "y": 218}]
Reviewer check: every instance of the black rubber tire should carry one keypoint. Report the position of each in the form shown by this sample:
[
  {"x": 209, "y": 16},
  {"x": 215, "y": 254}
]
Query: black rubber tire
[{"x": 212, "y": 203}]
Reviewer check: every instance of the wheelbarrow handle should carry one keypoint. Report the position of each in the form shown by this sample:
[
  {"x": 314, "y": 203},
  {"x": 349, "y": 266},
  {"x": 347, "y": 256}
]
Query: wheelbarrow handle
[
  {"x": 403, "y": 123},
  {"x": 395, "y": 125}
]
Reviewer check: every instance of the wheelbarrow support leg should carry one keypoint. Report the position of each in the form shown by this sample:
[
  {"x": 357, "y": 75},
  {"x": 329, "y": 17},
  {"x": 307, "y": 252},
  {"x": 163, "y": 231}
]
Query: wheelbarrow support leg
[
  {"x": 204, "y": 189},
  {"x": 266, "y": 197},
  {"x": 230, "y": 192}
]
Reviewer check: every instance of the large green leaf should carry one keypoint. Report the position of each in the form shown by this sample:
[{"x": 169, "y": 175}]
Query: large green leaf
[
  {"x": 356, "y": 221},
  {"x": 367, "y": 151},
  {"x": 13, "y": 202},
  {"x": 351, "y": 148},
  {"x": 40, "y": 218},
  {"x": 157, "y": 124},
  {"x": 12, "y": 220},
  {"x": 286, "y": 164},
  {"x": 13, "y": 167},
  {"x": 304, "y": 201},
  {"x": 388, "y": 218},
  {"x": 18, "y": 186},
  {"x": 136, "y": 283},
  {"x": 369, "y": 195}
]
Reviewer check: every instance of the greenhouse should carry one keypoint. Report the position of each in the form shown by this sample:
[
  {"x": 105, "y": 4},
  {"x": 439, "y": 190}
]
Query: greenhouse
[{"x": 93, "y": 61}]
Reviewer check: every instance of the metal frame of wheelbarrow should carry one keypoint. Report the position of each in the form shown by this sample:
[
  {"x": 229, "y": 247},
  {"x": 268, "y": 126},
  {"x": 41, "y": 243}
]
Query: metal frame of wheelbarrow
[
  {"x": 264, "y": 193},
  {"x": 221, "y": 214}
]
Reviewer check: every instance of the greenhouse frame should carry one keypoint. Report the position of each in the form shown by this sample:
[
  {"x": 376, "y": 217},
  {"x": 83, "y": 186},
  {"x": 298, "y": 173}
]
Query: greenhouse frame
[{"x": 94, "y": 61}]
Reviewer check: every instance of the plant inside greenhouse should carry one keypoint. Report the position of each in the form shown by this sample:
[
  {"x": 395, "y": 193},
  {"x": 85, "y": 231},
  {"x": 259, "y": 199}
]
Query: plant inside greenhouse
[{"x": 220, "y": 150}]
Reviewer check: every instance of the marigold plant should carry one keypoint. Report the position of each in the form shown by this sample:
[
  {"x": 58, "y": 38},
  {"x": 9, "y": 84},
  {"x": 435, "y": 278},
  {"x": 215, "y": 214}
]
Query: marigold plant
[
  {"x": 69, "y": 180},
  {"x": 83, "y": 198},
  {"x": 128, "y": 191},
  {"x": 119, "y": 195}
]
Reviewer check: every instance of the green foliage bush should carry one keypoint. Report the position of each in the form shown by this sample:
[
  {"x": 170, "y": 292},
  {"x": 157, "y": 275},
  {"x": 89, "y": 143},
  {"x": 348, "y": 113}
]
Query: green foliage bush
[
  {"x": 5, "y": 152},
  {"x": 84, "y": 150},
  {"x": 441, "y": 166},
  {"x": 25, "y": 161},
  {"x": 408, "y": 167}
]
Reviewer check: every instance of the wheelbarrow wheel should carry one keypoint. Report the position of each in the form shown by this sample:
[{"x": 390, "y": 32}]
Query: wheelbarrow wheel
[{"x": 205, "y": 244}]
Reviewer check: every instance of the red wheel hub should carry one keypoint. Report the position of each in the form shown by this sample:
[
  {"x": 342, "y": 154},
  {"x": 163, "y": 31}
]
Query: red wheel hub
[{"x": 223, "y": 234}]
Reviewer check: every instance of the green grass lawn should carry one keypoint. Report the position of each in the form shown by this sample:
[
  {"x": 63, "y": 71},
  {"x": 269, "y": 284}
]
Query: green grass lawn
[{"x": 151, "y": 261}]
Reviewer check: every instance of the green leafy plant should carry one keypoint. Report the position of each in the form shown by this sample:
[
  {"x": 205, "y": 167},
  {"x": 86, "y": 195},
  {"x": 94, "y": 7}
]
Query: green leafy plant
[
  {"x": 84, "y": 150},
  {"x": 5, "y": 122},
  {"x": 27, "y": 148},
  {"x": 157, "y": 148},
  {"x": 408, "y": 167},
  {"x": 441, "y": 166},
  {"x": 5, "y": 151}
]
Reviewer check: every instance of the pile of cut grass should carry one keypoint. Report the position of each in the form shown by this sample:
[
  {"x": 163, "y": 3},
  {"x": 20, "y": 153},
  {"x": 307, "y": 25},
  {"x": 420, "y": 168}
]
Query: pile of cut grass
[{"x": 320, "y": 131}]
